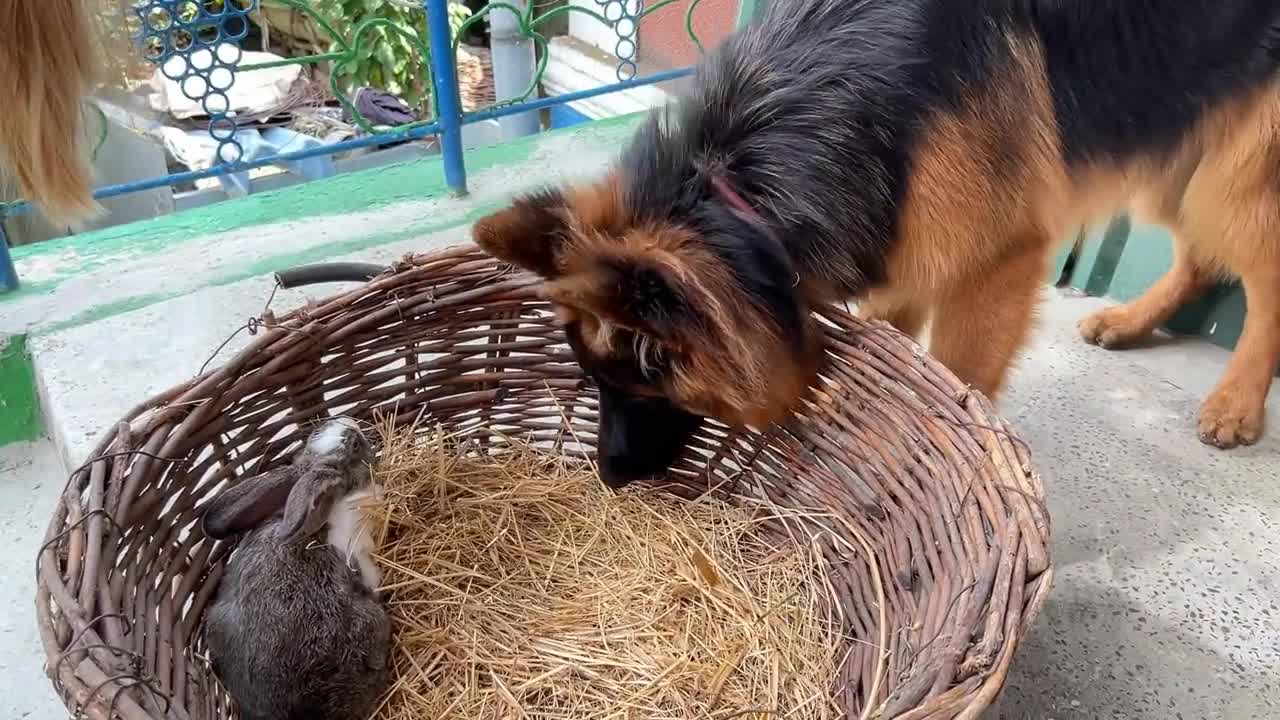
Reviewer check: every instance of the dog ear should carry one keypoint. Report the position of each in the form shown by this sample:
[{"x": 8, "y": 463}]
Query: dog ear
[
  {"x": 637, "y": 293},
  {"x": 530, "y": 234}
]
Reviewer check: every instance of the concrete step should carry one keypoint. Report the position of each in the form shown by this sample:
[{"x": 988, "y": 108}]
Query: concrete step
[
  {"x": 116, "y": 316},
  {"x": 1168, "y": 551},
  {"x": 31, "y": 478}
]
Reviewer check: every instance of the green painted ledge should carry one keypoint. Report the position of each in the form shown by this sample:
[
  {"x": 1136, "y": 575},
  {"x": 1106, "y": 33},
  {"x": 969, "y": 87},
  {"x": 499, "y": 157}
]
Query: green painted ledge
[
  {"x": 342, "y": 194},
  {"x": 413, "y": 194},
  {"x": 19, "y": 405},
  {"x": 1122, "y": 259},
  {"x": 495, "y": 173}
]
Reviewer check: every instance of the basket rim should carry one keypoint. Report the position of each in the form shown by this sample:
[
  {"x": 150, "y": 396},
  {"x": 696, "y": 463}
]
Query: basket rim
[{"x": 1025, "y": 540}]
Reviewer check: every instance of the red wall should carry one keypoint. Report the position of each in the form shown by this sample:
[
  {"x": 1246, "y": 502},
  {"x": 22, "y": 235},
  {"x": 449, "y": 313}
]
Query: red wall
[{"x": 664, "y": 42}]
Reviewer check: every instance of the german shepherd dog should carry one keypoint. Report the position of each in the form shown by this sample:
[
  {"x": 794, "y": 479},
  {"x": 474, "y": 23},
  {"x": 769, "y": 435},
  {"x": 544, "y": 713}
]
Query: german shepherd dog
[{"x": 919, "y": 157}]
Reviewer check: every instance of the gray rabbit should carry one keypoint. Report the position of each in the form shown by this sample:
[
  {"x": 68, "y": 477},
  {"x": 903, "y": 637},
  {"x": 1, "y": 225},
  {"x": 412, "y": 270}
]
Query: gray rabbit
[{"x": 297, "y": 630}]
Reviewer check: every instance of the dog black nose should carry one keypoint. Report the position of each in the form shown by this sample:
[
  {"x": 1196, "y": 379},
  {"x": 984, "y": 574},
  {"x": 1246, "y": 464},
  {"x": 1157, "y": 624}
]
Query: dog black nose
[
  {"x": 619, "y": 470},
  {"x": 640, "y": 437}
]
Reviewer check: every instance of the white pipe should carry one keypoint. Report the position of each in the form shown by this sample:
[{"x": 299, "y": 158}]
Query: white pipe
[{"x": 513, "y": 68}]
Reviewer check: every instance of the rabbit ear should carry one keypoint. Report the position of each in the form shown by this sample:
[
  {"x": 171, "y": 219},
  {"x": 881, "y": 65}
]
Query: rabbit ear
[
  {"x": 308, "y": 506},
  {"x": 248, "y": 503}
]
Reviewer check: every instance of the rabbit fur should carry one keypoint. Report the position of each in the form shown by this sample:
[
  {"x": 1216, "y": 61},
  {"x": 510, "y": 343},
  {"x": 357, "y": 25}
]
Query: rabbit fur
[{"x": 296, "y": 629}]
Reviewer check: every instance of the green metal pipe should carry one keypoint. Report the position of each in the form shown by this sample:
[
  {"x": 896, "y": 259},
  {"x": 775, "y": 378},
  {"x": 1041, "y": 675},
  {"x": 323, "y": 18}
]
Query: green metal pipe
[{"x": 749, "y": 10}]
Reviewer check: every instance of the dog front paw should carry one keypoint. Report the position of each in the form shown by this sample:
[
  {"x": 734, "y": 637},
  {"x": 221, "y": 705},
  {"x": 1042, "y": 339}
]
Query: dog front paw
[
  {"x": 1112, "y": 328},
  {"x": 1232, "y": 416}
]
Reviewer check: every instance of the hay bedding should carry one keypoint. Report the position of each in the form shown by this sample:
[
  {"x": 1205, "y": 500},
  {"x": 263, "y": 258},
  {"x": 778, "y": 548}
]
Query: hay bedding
[{"x": 521, "y": 587}]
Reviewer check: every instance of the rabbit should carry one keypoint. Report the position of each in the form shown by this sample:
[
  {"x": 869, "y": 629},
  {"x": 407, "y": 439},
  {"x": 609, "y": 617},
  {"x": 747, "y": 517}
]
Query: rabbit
[{"x": 297, "y": 629}]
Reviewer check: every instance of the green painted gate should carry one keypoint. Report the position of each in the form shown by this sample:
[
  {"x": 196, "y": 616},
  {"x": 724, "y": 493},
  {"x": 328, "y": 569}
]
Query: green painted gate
[{"x": 1122, "y": 259}]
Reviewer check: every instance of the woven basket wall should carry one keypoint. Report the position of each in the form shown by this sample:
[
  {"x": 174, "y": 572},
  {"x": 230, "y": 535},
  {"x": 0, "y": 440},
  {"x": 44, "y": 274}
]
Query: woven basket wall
[{"x": 893, "y": 446}]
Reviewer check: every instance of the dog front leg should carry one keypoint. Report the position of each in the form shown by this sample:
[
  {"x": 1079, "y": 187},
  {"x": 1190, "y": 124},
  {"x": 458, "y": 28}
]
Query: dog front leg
[{"x": 980, "y": 323}]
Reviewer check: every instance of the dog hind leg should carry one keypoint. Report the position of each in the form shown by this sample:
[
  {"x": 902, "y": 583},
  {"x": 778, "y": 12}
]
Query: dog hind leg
[{"x": 1122, "y": 325}]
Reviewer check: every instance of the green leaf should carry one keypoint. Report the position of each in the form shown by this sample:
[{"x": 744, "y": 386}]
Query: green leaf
[
  {"x": 385, "y": 54},
  {"x": 386, "y": 58}
]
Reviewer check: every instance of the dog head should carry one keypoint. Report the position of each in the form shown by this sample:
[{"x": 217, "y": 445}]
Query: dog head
[{"x": 675, "y": 320}]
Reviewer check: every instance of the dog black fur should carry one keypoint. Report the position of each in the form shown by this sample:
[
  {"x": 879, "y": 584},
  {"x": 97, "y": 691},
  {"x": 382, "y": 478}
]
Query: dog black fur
[
  {"x": 816, "y": 115},
  {"x": 814, "y": 111}
]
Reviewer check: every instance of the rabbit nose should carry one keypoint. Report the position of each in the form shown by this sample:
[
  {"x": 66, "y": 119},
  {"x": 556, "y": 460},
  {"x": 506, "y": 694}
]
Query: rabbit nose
[{"x": 332, "y": 436}]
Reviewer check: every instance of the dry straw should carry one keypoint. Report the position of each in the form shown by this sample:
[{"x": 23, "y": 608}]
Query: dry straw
[
  {"x": 932, "y": 520},
  {"x": 522, "y": 587}
]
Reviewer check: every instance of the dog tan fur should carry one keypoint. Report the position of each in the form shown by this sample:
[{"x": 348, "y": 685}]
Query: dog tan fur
[
  {"x": 984, "y": 205},
  {"x": 705, "y": 352},
  {"x": 1225, "y": 218},
  {"x": 971, "y": 263},
  {"x": 924, "y": 160}
]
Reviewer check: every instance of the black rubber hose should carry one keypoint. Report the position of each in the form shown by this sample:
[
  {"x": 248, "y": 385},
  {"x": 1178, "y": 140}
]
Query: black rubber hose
[{"x": 328, "y": 273}]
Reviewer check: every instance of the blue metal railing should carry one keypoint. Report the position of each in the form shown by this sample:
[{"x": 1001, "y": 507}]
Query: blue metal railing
[
  {"x": 172, "y": 31},
  {"x": 444, "y": 74}
]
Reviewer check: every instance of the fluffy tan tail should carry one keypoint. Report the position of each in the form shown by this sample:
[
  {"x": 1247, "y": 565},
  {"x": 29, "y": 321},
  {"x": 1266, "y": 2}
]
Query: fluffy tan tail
[{"x": 47, "y": 68}]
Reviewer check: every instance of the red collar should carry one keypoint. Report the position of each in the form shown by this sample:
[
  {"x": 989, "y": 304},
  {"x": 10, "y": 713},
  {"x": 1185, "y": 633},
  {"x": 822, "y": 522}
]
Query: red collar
[
  {"x": 724, "y": 190},
  {"x": 731, "y": 196}
]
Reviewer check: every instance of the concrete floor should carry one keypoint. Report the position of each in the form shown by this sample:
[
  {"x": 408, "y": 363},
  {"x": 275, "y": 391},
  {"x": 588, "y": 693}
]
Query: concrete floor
[
  {"x": 31, "y": 476},
  {"x": 1167, "y": 597},
  {"x": 1168, "y": 551}
]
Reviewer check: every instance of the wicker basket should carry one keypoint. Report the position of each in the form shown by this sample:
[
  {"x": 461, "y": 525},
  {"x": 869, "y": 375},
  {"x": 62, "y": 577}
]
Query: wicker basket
[{"x": 901, "y": 454}]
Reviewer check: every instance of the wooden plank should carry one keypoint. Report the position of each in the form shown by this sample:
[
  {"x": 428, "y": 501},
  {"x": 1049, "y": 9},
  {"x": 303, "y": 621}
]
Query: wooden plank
[
  {"x": 748, "y": 10},
  {"x": 20, "y": 418},
  {"x": 1099, "y": 255},
  {"x": 1058, "y": 265}
]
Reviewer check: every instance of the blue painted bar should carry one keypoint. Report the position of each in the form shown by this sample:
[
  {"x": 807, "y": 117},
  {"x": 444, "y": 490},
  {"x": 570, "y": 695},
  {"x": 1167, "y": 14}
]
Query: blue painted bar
[
  {"x": 497, "y": 112},
  {"x": 563, "y": 116},
  {"x": 448, "y": 102},
  {"x": 749, "y": 10},
  {"x": 456, "y": 181},
  {"x": 448, "y": 126},
  {"x": 111, "y": 191},
  {"x": 390, "y": 136},
  {"x": 8, "y": 273}
]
